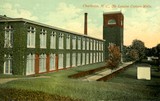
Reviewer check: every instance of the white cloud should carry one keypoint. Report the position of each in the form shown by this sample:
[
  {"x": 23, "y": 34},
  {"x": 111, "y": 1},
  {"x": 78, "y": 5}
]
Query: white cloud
[
  {"x": 63, "y": 15},
  {"x": 70, "y": 17},
  {"x": 11, "y": 11},
  {"x": 143, "y": 24}
]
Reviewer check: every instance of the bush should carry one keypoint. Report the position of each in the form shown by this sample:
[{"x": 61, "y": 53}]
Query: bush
[
  {"x": 114, "y": 56},
  {"x": 7, "y": 94}
]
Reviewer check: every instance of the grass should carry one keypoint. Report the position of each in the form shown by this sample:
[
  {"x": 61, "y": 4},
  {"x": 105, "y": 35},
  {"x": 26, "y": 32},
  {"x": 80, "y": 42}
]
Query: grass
[
  {"x": 139, "y": 89},
  {"x": 123, "y": 87}
]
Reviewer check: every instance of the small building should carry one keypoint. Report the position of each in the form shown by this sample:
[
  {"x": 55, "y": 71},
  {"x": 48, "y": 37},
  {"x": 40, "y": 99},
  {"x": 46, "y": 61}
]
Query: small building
[{"x": 28, "y": 47}]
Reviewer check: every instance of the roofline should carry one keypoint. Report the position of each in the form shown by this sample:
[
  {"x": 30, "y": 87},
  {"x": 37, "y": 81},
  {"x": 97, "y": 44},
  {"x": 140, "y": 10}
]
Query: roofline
[
  {"x": 45, "y": 25},
  {"x": 112, "y": 12}
]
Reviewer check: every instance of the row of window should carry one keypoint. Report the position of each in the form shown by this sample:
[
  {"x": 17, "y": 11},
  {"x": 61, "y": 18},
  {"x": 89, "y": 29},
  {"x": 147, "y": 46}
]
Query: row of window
[
  {"x": 77, "y": 60},
  {"x": 54, "y": 37},
  {"x": 88, "y": 58},
  {"x": 83, "y": 43}
]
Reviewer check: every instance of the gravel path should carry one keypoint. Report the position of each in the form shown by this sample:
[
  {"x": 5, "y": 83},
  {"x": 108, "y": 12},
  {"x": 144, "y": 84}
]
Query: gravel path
[
  {"x": 100, "y": 74},
  {"x": 5, "y": 80}
]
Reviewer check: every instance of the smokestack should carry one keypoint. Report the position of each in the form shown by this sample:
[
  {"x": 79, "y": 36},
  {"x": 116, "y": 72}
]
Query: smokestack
[{"x": 85, "y": 23}]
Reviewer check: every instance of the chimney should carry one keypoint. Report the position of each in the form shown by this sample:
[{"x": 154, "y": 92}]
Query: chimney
[{"x": 85, "y": 23}]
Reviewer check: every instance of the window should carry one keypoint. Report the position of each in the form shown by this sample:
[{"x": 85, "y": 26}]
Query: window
[
  {"x": 84, "y": 44},
  {"x": 91, "y": 59},
  {"x": 97, "y": 57},
  {"x": 79, "y": 43},
  {"x": 73, "y": 42},
  {"x": 68, "y": 60},
  {"x": 8, "y": 64},
  {"x": 30, "y": 68},
  {"x": 111, "y": 22},
  {"x": 43, "y": 37},
  {"x": 61, "y": 40},
  {"x": 73, "y": 59},
  {"x": 52, "y": 62},
  {"x": 8, "y": 39},
  {"x": 68, "y": 40},
  {"x": 94, "y": 45},
  {"x": 60, "y": 61},
  {"x": 94, "y": 57},
  {"x": 79, "y": 59},
  {"x": 102, "y": 46},
  {"x": 83, "y": 59},
  {"x": 91, "y": 44},
  {"x": 53, "y": 40},
  {"x": 100, "y": 57},
  {"x": 97, "y": 45},
  {"x": 31, "y": 37},
  {"x": 42, "y": 63},
  {"x": 87, "y": 58},
  {"x": 87, "y": 40}
]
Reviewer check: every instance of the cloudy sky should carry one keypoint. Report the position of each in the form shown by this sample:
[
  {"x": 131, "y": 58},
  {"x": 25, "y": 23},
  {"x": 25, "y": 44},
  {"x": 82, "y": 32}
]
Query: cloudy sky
[{"x": 142, "y": 17}]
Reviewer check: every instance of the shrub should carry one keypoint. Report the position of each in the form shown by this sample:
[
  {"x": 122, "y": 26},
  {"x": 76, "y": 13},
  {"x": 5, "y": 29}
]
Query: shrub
[
  {"x": 10, "y": 94},
  {"x": 114, "y": 56}
]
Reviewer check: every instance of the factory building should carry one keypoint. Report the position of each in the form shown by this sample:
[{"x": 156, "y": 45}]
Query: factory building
[{"x": 28, "y": 47}]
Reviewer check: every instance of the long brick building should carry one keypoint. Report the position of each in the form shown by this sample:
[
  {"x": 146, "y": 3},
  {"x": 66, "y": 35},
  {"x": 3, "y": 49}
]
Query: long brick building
[{"x": 28, "y": 47}]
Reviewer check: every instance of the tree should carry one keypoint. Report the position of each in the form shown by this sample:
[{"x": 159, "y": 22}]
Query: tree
[
  {"x": 114, "y": 56},
  {"x": 130, "y": 54},
  {"x": 158, "y": 55},
  {"x": 138, "y": 45},
  {"x": 133, "y": 53}
]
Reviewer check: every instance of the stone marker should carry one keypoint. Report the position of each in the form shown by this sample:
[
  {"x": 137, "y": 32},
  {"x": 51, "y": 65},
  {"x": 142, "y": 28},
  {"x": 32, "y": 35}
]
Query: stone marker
[{"x": 144, "y": 72}]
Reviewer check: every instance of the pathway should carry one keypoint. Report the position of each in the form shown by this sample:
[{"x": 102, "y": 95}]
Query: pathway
[
  {"x": 5, "y": 80},
  {"x": 100, "y": 74}
]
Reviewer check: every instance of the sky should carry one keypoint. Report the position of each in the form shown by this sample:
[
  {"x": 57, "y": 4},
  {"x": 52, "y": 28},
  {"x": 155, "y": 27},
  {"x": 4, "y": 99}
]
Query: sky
[{"x": 141, "y": 17}]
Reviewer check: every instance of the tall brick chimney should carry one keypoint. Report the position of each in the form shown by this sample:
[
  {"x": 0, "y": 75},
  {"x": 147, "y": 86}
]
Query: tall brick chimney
[{"x": 85, "y": 23}]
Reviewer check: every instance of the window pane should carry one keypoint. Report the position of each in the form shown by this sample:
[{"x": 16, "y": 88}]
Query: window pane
[
  {"x": 79, "y": 42},
  {"x": 43, "y": 38},
  {"x": 87, "y": 58},
  {"x": 83, "y": 58},
  {"x": 7, "y": 64},
  {"x": 61, "y": 41},
  {"x": 68, "y": 42},
  {"x": 30, "y": 65},
  {"x": 91, "y": 58},
  {"x": 84, "y": 44},
  {"x": 60, "y": 61},
  {"x": 73, "y": 59},
  {"x": 68, "y": 60},
  {"x": 31, "y": 37},
  {"x": 79, "y": 59},
  {"x": 8, "y": 40}
]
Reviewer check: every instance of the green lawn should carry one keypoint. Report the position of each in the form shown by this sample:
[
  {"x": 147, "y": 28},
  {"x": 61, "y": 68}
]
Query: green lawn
[{"x": 123, "y": 87}]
